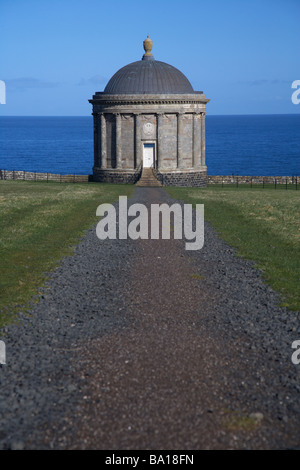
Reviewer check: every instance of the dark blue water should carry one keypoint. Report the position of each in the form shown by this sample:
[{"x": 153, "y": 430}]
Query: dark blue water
[
  {"x": 244, "y": 145},
  {"x": 267, "y": 145},
  {"x": 47, "y": 144}
]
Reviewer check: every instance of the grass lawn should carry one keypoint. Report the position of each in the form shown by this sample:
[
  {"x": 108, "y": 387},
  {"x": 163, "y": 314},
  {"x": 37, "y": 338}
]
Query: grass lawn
[
  {"x": 263, "y": 224},
  {"x": 39, "y": 223}
]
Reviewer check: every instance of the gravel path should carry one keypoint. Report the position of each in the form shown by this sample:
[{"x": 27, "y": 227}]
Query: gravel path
[{"x": 143, "y": 345}]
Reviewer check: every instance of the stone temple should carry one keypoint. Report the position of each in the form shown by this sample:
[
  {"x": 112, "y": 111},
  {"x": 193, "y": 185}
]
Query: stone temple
[{"x": 149, "y": 117}]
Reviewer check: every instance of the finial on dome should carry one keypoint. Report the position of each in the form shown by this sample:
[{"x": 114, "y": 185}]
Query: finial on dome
[{"x": 147, "y": 47}]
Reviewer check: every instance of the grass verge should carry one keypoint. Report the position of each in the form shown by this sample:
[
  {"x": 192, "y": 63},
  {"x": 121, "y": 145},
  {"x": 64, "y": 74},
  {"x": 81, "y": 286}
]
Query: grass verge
[
  {"x": 39, "y": 223},
  {"x": 263, "y": 225}
]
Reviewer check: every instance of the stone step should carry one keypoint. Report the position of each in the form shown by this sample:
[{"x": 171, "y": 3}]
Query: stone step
[
  {"x": 148, "y": 178},
  {"x": 148, "y": 183}
]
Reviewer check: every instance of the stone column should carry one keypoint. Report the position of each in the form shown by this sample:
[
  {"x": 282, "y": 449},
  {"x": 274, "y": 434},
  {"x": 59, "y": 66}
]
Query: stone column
[
  {"x": 138, "y": 140},
  {"x": 203, "y": 139},
  {"x": 102, "y": 149},
  {"x": 118, "y": 141},
  {"x": 96, "y": 139},
  {"x": 179, "y": 140},
  {"x": 159, "y": 137},
  {"x": 196, "y": 140}
]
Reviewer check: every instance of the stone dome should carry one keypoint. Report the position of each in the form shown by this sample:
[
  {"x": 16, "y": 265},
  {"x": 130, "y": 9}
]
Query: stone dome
[{"x": 148, "y": 76}]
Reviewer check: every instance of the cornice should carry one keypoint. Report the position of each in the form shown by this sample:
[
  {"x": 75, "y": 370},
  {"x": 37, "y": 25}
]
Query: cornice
[{"x": 103, "y": 99}]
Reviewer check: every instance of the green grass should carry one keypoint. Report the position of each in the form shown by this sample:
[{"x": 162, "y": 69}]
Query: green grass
[
  {"x": 263, "y": 225},
  {"x": 39, "y": 223},
  {"x": 256, "y": 186},
  {"x": 236, "y": 421}
]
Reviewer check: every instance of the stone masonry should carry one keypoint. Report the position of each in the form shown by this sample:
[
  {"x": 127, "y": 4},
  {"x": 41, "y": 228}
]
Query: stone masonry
[
  {"x": 121, "y": 127},
  {"x": 149, "y": 104}
]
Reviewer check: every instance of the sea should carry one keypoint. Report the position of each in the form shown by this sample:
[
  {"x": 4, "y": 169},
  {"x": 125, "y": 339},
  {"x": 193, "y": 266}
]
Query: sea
[{"x": 252, "y": 145}]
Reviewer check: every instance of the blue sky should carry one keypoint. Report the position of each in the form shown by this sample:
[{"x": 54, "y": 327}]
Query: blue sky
[{"x": 243, "y": 54}]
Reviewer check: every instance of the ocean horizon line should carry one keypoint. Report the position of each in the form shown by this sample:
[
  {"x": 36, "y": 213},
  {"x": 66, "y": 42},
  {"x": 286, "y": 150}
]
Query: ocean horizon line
[{"x": 90, "y": 115}]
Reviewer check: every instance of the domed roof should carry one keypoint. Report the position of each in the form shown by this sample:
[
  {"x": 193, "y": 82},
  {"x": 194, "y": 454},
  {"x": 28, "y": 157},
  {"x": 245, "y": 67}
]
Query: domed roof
[{"x": 148, "y": 76}]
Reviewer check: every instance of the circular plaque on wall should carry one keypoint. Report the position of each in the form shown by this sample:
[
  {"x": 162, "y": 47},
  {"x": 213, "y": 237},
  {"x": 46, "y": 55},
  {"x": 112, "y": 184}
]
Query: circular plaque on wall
[{"x": 148, "y": 128}]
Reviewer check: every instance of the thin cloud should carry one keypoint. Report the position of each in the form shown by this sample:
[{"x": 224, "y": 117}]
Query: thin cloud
[
  {"x": 25, "y": 83},
  {"x": 95, "y": 80}
]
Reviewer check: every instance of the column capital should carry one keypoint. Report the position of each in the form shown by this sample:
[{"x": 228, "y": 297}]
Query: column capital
[{"x": 159, "y": 116}]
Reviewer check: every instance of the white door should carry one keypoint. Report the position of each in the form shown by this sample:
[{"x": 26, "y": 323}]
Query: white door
[{"x": 148, "y": 155}]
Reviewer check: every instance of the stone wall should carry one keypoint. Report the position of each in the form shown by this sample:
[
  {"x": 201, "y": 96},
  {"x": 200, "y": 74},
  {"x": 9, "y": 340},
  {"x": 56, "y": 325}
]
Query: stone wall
[
  {"x": 240, "y": 179},
  {"x": 174, "y": 122},
  {"x": 36, "y": 176},
  {"x": 116, "y": 176},
  {"x": 185, "y": 140},
  {"x": 127, "y": 130},
  {"x": 173, "y": 178},
  {"x": 186, "y": 179},
  {"x": 167, "y": 141}
]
